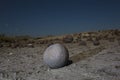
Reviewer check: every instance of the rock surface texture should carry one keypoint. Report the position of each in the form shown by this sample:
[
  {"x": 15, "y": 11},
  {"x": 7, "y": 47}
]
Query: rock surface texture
[{"x": 56, "y": 56}]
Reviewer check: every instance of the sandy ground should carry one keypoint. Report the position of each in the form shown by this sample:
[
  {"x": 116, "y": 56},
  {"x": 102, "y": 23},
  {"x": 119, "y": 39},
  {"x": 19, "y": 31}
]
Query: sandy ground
[{"x": 89, "y": 63}]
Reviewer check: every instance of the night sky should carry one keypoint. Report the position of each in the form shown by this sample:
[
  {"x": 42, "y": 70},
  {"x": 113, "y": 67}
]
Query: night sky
[{"x": 57, "y": 17}]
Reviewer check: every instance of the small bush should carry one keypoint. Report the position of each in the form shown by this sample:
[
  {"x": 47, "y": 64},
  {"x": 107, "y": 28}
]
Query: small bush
[
  {"x": 49, "y": 44},
  {"x": 43, "y": 41},
  {"x": 7, "y": 39},
  {"x": 96, "y": 43},
  {"x": 89, "y": 38},
  {"x": 111, "y": 39},
  {"x": 14, "y": 45},
  {"x": 68, "y": 39},
  {"x": 1, "y": 45},
  {"x": 82, "y": 43}
]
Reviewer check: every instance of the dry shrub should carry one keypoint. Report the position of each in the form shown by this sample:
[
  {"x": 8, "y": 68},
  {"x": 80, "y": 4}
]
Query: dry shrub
[
  {"x": 57, "y": 40},
  {"x": 82, "y": 43},
  {"x": 96, "y": 43},
  {"x": 7, "y": 39},
  {"x": 1, "y": 45},
  {"x": 68, "y": 39},
  {"x": 89, "y": 38},
  {"x": 116, "y": 32},
  {"x": 49, "y": 44},
  {"x": 105, "y": 36},
  {"x": 43, "y": 41},
  {"x": 111, "y": 39},
  {"x": 77, "y": 39},
  {"x": 15, "y": 45}
]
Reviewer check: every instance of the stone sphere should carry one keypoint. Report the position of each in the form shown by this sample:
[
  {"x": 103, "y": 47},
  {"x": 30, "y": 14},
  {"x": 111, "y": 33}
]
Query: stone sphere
[{"x": 56, "y": 56}]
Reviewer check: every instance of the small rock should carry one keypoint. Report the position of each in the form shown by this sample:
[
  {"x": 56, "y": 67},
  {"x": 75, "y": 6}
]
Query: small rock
[{"x": 11, "y": 53}]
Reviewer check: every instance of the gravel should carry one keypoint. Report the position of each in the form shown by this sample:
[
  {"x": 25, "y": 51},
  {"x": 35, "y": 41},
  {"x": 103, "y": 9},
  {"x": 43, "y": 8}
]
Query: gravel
[{"x": 27, "y": 63}]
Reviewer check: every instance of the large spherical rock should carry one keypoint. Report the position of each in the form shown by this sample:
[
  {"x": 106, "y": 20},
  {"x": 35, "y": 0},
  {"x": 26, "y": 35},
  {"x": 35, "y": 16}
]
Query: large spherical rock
[{"x": 56, "y": 56}]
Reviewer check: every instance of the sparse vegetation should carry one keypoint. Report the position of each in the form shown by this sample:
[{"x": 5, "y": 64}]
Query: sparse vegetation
[
  {"x": 7, "y": 39},
  {"x": 80, "y": 38},
  {"x": 68, "y": 39},
  {"x": 49, "y": 44},
  {"x": 82, "y": 43},
  {"x": 96, "y": 43},
  {"x": 97, "y": 60},
  {"x": 111, "y": 39}
]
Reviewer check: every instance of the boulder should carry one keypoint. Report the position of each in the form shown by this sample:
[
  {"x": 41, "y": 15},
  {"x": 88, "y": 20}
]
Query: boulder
[{"x": 56, "y": 56}]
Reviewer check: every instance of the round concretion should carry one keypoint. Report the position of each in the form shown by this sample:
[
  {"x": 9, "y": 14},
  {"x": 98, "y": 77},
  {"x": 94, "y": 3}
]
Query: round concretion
[{"x": 56, "y": 56}]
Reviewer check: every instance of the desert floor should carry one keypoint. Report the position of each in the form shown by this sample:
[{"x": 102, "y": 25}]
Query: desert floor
[{"x": 89, "y": 62}]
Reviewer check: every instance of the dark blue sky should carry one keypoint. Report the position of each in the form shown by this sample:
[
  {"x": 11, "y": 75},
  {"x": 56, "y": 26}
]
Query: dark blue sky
[{"x": 56, "y": 17}]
